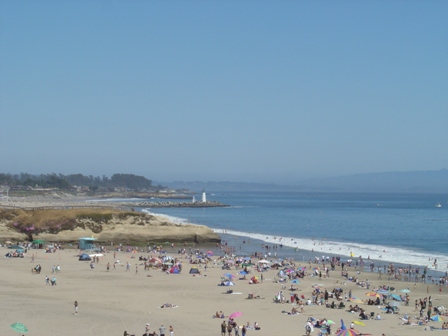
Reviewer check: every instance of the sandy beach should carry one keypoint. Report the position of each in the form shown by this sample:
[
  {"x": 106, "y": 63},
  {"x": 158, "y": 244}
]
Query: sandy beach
[
  {"x": 114, "y": 301},
  {"x": 117, "y": 300}
]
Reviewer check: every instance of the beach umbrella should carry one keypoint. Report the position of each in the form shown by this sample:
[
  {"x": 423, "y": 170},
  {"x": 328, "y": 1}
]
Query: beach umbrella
[
  {"x": 405, "y": 291},
  {"x": 263, "y": 261},
  {"x": 19, "y": 327},
  {"x": 359, "y": 323},
  {"x": 356, "y": 300},
  {"x": 330, "y": 322},
  {"x": 374, "y": 294},
  {"x": 383, "y": 292},
  {"x": 235, "y": 315},
  {"x": 228, "y": 275},
  {"x": 243, "y": 273},
  {"x": 347, "y": 332},
  {"x": 394, "y": 304},
  {"x": 396, "y": 297},
  {"x": 437, "y": 318}
]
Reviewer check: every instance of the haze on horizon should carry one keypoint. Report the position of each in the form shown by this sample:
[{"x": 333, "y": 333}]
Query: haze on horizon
[{"x": 224, "y": 90}]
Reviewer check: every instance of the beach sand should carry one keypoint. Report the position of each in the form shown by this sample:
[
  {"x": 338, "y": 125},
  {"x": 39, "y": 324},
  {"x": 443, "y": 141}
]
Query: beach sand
[{"x": 111, "y": 302}]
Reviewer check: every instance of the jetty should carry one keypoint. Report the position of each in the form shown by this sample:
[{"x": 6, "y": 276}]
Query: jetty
[{"x": 156, "y": 204}]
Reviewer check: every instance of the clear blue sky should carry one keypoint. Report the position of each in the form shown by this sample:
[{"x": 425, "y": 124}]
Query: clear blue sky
[{"x": 223, "y": 90}]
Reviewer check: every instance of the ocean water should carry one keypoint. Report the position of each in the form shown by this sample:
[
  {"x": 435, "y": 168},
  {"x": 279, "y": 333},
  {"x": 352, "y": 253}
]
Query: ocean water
[{"x": 400, "y": 228}]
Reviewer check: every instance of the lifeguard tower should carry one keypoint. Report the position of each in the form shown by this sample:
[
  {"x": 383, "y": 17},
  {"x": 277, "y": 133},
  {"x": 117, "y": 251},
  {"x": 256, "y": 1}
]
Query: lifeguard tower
[{"x": 86, "y": 243}]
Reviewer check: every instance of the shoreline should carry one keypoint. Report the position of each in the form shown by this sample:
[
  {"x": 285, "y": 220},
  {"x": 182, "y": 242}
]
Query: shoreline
[
  {"x": 343, "y": 249},
  {"x": 305, "y": 256}
]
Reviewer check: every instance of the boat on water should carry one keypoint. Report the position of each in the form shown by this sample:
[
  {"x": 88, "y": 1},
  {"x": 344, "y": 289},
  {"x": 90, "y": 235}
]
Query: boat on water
[{"x": 438, "y": 205}]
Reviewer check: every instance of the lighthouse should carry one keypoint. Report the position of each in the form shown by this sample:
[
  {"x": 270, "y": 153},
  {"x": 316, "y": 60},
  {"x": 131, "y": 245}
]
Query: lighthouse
[{"x": 204, "y": 198}]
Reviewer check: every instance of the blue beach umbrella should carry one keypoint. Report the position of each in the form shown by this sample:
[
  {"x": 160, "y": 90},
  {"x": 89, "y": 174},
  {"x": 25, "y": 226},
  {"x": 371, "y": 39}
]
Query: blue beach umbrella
[
  {"x": 396, "y": 297},
  {"x": 437, "y": 318},
  {"x": 383, "y": 292},
  {"x": 19, "y": 327},
  {"x": 243, "y": 273}
]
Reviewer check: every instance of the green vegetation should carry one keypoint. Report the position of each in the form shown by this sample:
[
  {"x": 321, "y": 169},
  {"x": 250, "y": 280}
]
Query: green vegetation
[{"x": 67, "y": 182}]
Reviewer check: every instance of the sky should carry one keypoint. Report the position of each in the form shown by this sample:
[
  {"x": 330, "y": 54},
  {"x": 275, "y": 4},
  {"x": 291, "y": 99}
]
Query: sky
[{"x": 248, "y": 91}]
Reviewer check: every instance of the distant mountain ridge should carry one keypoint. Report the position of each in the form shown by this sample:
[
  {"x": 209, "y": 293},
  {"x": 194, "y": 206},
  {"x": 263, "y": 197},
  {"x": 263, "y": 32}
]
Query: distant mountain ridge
[{"x": 434, "y": 181}]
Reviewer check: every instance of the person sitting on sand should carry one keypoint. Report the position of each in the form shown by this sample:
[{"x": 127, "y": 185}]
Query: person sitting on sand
[
  {"x": 363, "y": 315},
  {"x": 256, "y": 326}
]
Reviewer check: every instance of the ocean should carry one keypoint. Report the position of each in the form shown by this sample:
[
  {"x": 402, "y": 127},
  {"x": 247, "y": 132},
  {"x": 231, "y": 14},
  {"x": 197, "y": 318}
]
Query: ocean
[{"x": 407, "y": 229}]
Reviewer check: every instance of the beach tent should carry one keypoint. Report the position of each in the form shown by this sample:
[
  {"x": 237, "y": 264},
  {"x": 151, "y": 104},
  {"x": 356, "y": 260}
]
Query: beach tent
[
  {"x": 175, "y": 270},
  {"x": 17, "y": 248},
  {"x": 38, "y": 243},
  {"x": 194, "y": 270},
  {"x": 84, "y": 256}
]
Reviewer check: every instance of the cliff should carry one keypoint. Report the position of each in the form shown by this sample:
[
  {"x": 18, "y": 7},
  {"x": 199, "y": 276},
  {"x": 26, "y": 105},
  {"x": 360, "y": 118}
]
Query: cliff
[{"x": 104, "y": 225}]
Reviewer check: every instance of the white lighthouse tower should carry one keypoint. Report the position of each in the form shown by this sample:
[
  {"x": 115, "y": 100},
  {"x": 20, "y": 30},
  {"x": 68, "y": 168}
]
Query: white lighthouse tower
[{"x": 204, "y": 198}]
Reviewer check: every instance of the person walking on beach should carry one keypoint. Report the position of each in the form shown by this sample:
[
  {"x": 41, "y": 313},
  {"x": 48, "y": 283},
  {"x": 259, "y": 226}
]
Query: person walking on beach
[
  {"x": 147, "y": 329},
  {"x": 223, "y": 328},
  {"x": 47, "y": 280},
  {"x": 128, "y": 266},
  {"x": 171, "y": 331},
  {"x": 162, "y": 330},
  {"x": 108, "y": 266},
  {"x": 229, "y": 328},
  {"x": 76, "y": 307}
]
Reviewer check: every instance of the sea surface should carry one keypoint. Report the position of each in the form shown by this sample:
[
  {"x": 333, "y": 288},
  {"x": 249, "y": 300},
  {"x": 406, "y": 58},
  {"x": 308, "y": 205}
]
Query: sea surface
[{"x": 406, "y": 229}]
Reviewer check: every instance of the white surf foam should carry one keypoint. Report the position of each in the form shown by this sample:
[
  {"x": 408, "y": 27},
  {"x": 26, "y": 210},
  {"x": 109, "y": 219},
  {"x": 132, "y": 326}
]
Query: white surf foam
[{"x": 354, "y": 250}]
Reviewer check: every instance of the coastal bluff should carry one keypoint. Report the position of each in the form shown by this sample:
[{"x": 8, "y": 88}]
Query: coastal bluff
[{"x": 106, "y": 225}]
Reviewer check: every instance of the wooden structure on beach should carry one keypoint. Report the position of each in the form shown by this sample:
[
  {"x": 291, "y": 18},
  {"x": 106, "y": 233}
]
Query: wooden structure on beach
[{"x": 86, "y": 243}]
